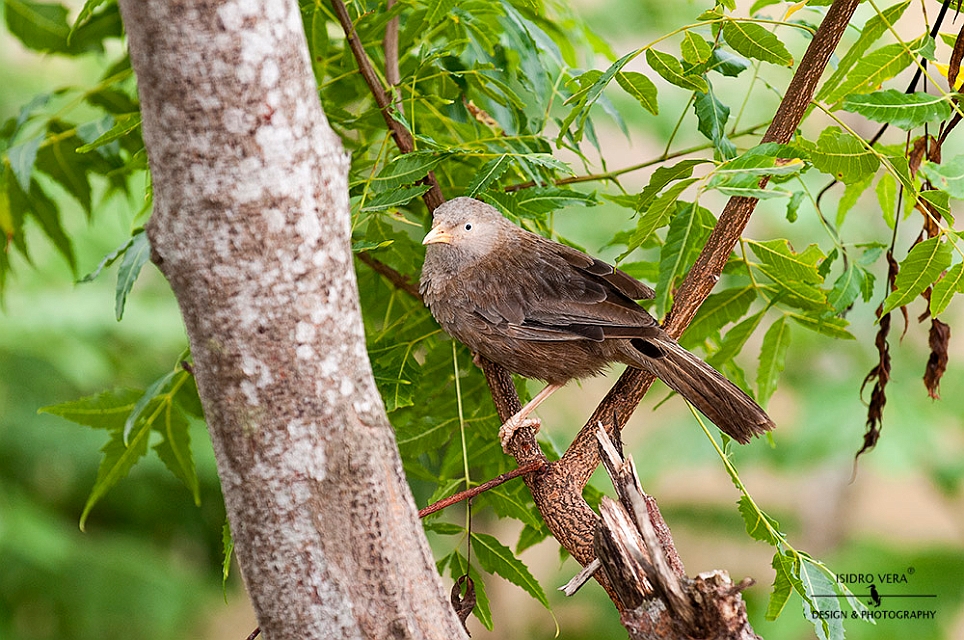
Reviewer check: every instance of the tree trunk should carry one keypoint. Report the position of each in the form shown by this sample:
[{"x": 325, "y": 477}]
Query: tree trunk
[{"x": 251, "y": 228}]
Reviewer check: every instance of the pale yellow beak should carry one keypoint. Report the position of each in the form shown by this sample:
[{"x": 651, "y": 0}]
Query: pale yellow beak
[{"x": 437, "y": 236}]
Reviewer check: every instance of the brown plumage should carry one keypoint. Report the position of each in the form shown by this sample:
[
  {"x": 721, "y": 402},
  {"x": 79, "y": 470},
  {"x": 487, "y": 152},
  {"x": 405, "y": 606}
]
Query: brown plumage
[{"x": 546, "y": 311}]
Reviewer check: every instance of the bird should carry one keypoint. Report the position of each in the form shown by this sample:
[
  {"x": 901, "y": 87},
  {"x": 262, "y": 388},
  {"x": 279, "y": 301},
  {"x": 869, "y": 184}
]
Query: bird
[{"x": 549, "y": 312}]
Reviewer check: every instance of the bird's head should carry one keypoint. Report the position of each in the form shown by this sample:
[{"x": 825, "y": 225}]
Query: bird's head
[{"x": 467, "y": 229}]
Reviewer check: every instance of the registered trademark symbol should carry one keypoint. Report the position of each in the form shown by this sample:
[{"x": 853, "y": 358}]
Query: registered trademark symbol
[{"x": 911, "y": 570}]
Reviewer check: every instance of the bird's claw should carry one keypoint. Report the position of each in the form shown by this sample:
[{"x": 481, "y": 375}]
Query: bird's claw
[{"x": 512, "y": 425}]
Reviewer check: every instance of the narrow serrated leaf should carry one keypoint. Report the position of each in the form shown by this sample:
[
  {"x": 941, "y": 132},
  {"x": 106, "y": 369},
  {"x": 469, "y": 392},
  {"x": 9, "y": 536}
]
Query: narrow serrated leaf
[
  {"x": 405, "y": 169},
  {"x": 671, "y": 70},
  {"x": 657, "y": 214},
  {"x": 106, "y": 410},
  {"x": 918, "y": 270},
  {"x": 712, "y": 115},
  {"x": 718, "y": 310},
  {"x": 784, "y": 567},
  {"x": 22, "y": 158},
  {"x": 946, "y": 287},
  {"x": 396, "y": 197},
  {"x": 640, "y": 87},
  {"x": 687, "y": 233},
  {"x": 948, "y": 175},
  {"x": 134, "y": 259},
  {"x": 489, "y": 173},
  {"x": 754, "y": 41},
  {"x": 773, "y": 355},
  {"x": 759, "y": 525},
  {"x": 875, "y": 27},
  {"x": 903, "y": 110},
  {"x": 118, "y": 460},
  {"x": 174, "y": 448},
  {"x": 123, "y": 125},
  {"x": 695, "y": 49},
  {"x": 497, "y": 558},
  {"x": 841, "y": 155}
]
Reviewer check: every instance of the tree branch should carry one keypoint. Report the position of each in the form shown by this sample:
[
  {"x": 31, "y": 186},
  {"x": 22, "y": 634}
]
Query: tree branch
[
  {"x": 403, "y": 138},
  {"x": 582, "y": 457}
]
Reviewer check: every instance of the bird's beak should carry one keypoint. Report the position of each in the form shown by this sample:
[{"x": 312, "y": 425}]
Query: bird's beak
[{"x": 437, "y": 236}]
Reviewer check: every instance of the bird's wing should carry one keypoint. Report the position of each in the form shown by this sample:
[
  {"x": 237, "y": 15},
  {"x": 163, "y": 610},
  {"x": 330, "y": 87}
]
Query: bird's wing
[{"x": 540, "y": 290}]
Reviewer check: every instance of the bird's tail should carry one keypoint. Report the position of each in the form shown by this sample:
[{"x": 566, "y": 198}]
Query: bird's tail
[{"x": 732, "y": 410}]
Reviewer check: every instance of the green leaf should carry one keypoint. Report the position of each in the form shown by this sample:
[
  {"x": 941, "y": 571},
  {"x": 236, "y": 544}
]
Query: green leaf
[
  {"x": 640, "y": 87},
  {"x": 695, "y": 49},
  {"x": 489, "y": 173},
  {"x": 59, "y": 160},
  {"x": 589, "y": 96},
  {"x": 887, "y": 198},
  {"x": 656, "y": 215},
  {"x": 123, "y": 125},
  {"x": 106, "y": 410},
  {"x": 712, "y": 115},
  {"x": 157, "y": 388},
  {"x": 841, "y": 155},
  {"x": 903, "y": 110},
  {"x": 741, "y": 175},
  {"x": 784, "y": 566},
  {"x": 781, "y": 263},
  {"x": 773, "y": 359},
  {"x": 946, "y": 287},
  {"x": 661, "y": 177},
  {"x": 828, "y": 326},
  {"x": 824, "y": 613},
  {"x": 396, "y": 372},
  {"x": 875, "y": 68},
  {"x": 118, "y": 460},
  {"x": 687, "y": 234},
  {"x": 918, "y": 270},
  {"x": 671, "y": 70},
  {"x": 759, "y": 525},
  {"x": 397, "y": 197},
  {"x": 227, "y": 550},
  {"x": 405, "y": 169},
  {"x": 41, "y": 27},
  {"x": 135, "y": 257},
  {"x": 735, "y": 339},
  {"x": 498, "y": 558},
  {"x": 107, "y": 261},
  {"x": 875, "y": 27},
  {"x": 22, "y": 158},
  {"x": 940, "y": 201},
  {"x": 174, "y": 449},
  {"x": 536, "y": 202},
  {"x": 753, "y": 41},
  {"x": 948, "y": 175},
  {"x": 847, "y": 287},
  {"x": 719, "y": 309},
  {"x": 47, "y": 213}
]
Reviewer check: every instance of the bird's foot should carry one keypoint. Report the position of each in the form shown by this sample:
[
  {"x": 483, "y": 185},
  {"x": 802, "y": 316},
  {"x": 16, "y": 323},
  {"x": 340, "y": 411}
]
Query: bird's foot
[{"x": 512, "y": 425}]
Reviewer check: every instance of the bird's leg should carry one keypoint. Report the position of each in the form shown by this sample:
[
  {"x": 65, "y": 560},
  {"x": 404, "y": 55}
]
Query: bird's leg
[{"x": 519, "y": 420}]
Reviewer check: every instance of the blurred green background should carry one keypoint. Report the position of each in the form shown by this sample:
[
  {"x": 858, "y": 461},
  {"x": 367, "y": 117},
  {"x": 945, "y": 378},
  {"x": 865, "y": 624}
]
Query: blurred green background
[{"x": 148, "y": 565}]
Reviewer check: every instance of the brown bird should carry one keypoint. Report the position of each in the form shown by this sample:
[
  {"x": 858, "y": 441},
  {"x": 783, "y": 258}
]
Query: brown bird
[{"x": 546, "y": 311}]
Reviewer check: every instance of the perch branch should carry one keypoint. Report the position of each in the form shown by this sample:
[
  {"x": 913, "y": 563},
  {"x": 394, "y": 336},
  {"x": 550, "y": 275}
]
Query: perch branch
[{"x": 468, "y": 494}]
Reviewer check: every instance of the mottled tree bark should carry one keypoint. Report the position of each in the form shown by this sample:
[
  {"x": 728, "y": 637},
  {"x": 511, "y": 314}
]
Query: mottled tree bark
[{"x": 251, "y": 228}]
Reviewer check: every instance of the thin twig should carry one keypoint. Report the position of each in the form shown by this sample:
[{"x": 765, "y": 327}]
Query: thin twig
[
  {"x": 399, "y": 280},
  {"x": 482, "y": 488},
  {"x": 610, "y": 175},
  {"x": 403, "y": 138}
]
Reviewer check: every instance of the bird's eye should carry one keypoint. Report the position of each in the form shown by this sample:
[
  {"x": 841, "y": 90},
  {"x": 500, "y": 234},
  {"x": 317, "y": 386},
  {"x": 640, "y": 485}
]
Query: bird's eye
[{"x": 468, "y": 226}]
